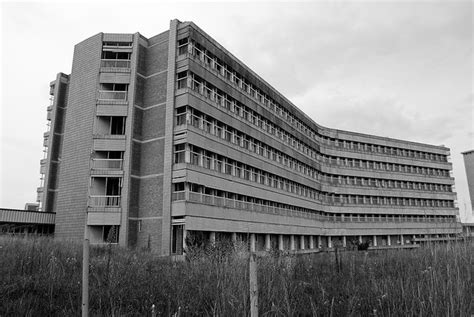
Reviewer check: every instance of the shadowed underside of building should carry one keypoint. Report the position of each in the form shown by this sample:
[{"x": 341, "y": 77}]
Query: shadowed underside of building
[{"x": 162, "y": 142}]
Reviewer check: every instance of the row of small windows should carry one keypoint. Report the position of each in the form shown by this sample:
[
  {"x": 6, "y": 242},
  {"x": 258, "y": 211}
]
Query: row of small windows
[
  {"x": 209, "y": 60},
  {"x": 219, "y": 197},
  {"x": 242, "y": 112},
  {"x": 221, "y": 164},
  {"x": 189, "y": 115}
]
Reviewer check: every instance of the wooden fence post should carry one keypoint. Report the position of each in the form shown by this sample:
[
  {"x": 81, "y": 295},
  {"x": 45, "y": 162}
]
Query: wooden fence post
[
  {"x": 253, "y": 286},
  {"x": 85, "y": 273}
]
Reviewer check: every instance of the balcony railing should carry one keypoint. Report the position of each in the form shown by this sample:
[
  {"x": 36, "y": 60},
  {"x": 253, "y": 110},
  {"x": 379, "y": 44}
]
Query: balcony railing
[
  {"x": 250, "y": 206},
  {"x": 104, "y": 201},
  {"x": 115, "y": 63},
  {"x": 108, "y": 136},
  {"x": 112, "y": 95},
  {"x": 107, "y": 164},
  {"x": 118, "y": 45}
]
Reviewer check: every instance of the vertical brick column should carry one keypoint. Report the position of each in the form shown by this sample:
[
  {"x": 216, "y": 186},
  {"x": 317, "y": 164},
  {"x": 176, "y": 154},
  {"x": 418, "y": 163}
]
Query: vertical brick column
[{"x": 168, "y": 148}]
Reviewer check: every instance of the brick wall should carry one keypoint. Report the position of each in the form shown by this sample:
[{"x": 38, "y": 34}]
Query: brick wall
[
  {"x": 146, "y": 183},
  {"x": 78, "y": 129}
]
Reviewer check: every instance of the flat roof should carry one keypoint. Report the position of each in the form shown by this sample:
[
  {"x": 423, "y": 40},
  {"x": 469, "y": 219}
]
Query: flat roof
[
  {"x": 467, "y": 152},
  {"x": 27, "y": 216}
]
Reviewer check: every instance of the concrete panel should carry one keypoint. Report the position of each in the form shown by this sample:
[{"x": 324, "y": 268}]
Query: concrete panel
[
  {"x": 109, "y": 145},
  {"x": 116, "y": 78},
  {"x": 103, "y": 218},
  {"x": 112, "y": 110}
]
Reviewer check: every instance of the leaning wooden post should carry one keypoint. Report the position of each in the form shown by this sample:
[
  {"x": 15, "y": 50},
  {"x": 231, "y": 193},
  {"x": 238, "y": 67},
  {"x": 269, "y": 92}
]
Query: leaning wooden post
[
  {"x": 253, "y": 286},
  {"x": 85, "y": 274}
]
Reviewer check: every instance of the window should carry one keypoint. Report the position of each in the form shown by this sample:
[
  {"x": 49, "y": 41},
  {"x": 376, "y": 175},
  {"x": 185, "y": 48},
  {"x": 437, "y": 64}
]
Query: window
[
  {"x": 182, "y": 79},
  {"x": 180, "y": 116},
  {"x": 117, "y": 125},
  {"x": 179, "y": 153},
  {"x": 183, "y": 46}
]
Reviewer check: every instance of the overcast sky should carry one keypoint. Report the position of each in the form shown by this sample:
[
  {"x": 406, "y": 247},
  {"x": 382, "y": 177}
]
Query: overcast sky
[{"x": 402, "y": 70}]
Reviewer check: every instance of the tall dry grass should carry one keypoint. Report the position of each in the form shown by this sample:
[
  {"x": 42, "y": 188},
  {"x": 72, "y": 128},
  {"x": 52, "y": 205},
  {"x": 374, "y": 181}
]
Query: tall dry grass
[{"x": 42, "y": 277}]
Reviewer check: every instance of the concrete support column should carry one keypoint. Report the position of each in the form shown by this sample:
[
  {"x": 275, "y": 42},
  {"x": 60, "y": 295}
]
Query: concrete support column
[
  {"x": 360, "y": 239},
  {"x": 311, "y": 242},
  {"x": 375, "y": 240},
  {"x": 329, "y": 242},
  {"x": 234, "y": 238},
  {"x": 344, "y": 241},
  {"x": 252, "y": 242},
  {"x": 388, "y": 240},
  {"x": 268, "y": 245},
  {"x": 281, "y": 247},
  {"x": 401, "y": 240},
  {"x": 320, "y": 243},
  {"x": 212, "y": 238},
  {"x": 302, "y": 242},
  {"x": 292, "y": 242}
]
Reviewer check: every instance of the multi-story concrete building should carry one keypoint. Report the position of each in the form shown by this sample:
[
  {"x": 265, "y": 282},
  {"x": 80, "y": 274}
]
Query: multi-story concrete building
[
  {"x": 469, "y": 166},
  {"x": 172, "y": 139}
]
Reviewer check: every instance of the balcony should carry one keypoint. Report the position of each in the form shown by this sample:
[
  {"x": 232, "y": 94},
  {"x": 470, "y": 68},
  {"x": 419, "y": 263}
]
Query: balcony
[
  {"x": 46, "y": 139},
  {"x": 103, "y": 218},
  {"x": 43, "y": 166},
  {"x": 49, "y": 110},
  {"x": 109, "y": 142},
  {"x": 115, "y": 65},
  {"x": 107, "y": 164},
  {"x": 107, "y": 167},
  {"x": 112, "y": 110},
  {"x": 117, "y": 45},
  {"x": 100, "y": 201},
  {"x": 111, "y": 95},
  {"x": 39, "y": 194}
]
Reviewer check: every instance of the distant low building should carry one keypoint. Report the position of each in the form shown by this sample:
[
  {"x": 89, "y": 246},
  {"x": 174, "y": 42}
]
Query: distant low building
[
  {"x": 24, "y": 222},
  {"x": 168, "y": 141}
]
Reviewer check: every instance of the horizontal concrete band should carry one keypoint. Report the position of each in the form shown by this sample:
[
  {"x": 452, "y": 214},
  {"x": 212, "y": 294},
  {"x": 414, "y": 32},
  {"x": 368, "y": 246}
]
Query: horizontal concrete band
[{"x": 211, "y": 218}]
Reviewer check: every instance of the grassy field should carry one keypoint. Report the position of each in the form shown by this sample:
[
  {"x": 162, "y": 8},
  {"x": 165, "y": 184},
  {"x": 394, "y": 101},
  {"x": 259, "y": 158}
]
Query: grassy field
[{"x": 42, "y": 277}]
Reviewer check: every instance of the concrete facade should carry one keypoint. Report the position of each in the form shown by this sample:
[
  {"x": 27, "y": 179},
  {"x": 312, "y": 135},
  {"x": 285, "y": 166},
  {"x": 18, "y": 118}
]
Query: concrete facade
[
  {"x": 171, "y": 141},
  {"x": 469, "y": 166}
]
